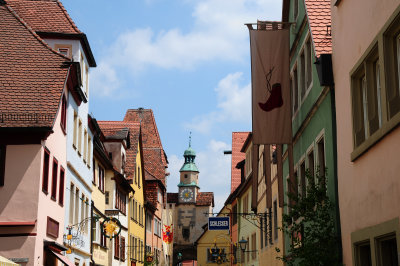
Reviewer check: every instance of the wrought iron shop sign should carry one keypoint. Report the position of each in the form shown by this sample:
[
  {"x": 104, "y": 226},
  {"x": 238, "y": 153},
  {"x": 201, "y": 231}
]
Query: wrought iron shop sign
[{"x": 218, "y": 223}]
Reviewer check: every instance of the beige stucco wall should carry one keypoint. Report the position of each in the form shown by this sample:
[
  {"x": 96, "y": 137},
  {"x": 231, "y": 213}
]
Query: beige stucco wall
[
  {"x": 268, "y": 253},
  {"x": 369, "y": 187}
]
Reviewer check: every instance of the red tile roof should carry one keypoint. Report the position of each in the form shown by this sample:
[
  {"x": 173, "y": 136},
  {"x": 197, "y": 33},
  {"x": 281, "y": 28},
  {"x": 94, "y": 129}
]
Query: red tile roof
[
  {"x": 45, "y": 15},
  {"x": 202, "y": 199},
  {"x": 205, "y": 199},
  {"x": 32, "y": 75},
  {"x": 319, "y": 17},
  {"x": 152, "y": 165},
  {"x": 238, "y": 139},
  {"x": 114, "y": 128},
  {"x": 151, "y": 189},
  {"x": 153, "y": 152}
]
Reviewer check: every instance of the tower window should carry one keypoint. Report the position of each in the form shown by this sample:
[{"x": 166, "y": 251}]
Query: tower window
[{"x": 186, "y": 176}]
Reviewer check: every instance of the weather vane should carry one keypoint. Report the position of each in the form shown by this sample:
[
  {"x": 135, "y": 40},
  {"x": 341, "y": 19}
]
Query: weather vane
[{"x": 190, "y": 139}]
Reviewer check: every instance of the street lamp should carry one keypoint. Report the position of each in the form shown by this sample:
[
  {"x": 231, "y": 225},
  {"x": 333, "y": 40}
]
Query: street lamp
[
  {"x": 179, "y": 256},
  {"x": 243, "y": 244}
]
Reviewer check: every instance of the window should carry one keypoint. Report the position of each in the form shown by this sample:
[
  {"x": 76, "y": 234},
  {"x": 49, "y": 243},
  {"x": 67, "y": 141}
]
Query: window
[
  {"x": 295, "y": 90},
  {"x": 103, "y": 239},
  {"x": 310, "y": 157},
  {"x": 52, "y": 227},
  {"x": 76, "y": 215},
  {"x": 75, "y": 137},
  {"x": 308, "y": 62},
  {"x": 392, "y": 67},
  {"x": 387, "y": 251},
  {"x": 63, "y": 113},
  {"x": 246, "y": 204},
  {"x": 262, "y": 228},
  {"x": 185, "y": 233},
  {"x": 101, "y": 179},
  {"x": 71, "y": 204},
  {"x": 85, "y": 145},
  {"x": 157, "y": 227},
  {"x": 107, "y": 197},
  {"x": 65, "y": 49},
  {"x": 94, "y": 172},
  {"x": 46, "y": 162},
  {"x": 367, "y": 112},
  {"x": 116, "y": 247},
  {"x": 2, "y": 164},
  {"x": 159, "y": 195},
  {"x": 375, "y": 87},
  {"x": 321, "y": 157},
  {"x": 149, "y": 221},
  {"x": 87, "y": 79},
  {"x": 302, "y": 75},
  {"x": 363, "y": 254},
  {"x": 120, "y": 201},
  {"x": 79, "y": 137},
  {"x": 89, "y": 151},
  {"x": 61, "y": 187},
  {"x": 122, "y": 253},
  {"x": 87, "y": 227},
  {"x": 303, "y": 181},
  {"x": 95, "y": 231},
  {"x": 54, "y": 179},
  {"x": 82, "y": 201}
]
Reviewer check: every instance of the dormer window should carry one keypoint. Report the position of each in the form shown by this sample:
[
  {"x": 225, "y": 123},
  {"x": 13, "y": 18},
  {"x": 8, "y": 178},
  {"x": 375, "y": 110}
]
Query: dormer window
[{"x": 65, "y": 49}]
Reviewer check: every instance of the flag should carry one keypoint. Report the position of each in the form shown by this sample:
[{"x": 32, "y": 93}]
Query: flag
[
  {"x": 167, "y": 234},
  {"x": 271, "y": 101}
]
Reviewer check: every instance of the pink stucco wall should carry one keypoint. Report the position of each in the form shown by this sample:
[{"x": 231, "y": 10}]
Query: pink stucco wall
[
  {"x": 369, "y": 187},
  {"x": 22, "y": 199}
]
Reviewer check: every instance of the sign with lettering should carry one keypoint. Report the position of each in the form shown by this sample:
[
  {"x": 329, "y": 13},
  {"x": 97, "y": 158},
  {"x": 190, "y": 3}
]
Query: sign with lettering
[{"x": 218, "y": 223}]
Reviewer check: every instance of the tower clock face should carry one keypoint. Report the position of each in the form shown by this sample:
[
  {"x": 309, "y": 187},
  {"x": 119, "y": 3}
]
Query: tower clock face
[{"x": 186, "y": 195}]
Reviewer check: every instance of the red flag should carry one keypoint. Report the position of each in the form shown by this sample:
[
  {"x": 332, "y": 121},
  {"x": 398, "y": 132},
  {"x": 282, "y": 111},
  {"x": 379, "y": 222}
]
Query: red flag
[{"x": 271, "y": 101}]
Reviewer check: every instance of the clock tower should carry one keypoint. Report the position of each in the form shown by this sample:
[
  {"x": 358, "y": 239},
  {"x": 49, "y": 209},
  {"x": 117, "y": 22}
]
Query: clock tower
[
  {"x": 189, "y": 178},
  {"x": 190, "y": 208}
]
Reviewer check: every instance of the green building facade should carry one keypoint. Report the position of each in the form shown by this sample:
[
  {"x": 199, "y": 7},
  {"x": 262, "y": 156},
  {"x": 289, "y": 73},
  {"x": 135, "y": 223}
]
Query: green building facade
[{"x": 313, "y": 106}]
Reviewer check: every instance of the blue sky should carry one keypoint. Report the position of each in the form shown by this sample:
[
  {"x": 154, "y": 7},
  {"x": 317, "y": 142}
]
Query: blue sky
[{"x": 188, "y": 60}]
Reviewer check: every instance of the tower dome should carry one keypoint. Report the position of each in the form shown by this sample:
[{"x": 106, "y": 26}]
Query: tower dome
[{"x": 189, "y": 164}]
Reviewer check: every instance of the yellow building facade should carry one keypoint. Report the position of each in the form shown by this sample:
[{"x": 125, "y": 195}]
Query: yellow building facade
[
  {"x": 209, "y": 240},
  {"x": 136, "y": 223}
]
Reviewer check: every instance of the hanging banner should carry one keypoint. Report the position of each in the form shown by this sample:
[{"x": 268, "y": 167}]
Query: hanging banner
[
  {"x": 167, "y": 234},
  {"x": 271, "y": 101}
]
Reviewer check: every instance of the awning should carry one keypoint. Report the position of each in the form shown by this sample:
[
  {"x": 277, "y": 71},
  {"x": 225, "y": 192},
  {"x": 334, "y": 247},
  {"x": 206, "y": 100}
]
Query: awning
[
  {"x": 62, "y": 258},
  {"x": 6, "y": 262}
]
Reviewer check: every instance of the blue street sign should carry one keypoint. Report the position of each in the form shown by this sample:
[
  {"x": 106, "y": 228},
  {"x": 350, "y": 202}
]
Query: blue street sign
[{"x": 218, "y": 223}]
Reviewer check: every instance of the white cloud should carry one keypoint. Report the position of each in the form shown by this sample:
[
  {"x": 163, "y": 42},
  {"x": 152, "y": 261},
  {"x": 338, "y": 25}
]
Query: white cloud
[
  {"x": 214, "y": 171},
  {"x": 217, "y": 33},
  {"x": 233, "y": 104}
]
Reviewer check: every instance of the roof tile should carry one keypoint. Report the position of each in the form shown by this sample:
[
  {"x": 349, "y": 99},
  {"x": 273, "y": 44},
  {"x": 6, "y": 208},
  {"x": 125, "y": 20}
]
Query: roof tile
[
  {"x": 319, "y": 17},
  {"x": 33, "y": 75},
  {"x": 45, "y": 15}
]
